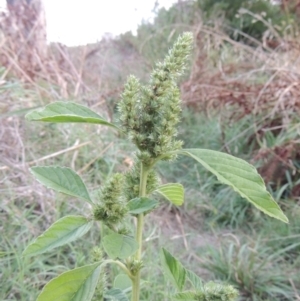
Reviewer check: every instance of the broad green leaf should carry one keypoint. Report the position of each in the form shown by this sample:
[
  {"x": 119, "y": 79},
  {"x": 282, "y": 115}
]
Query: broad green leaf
[
  {"x": 186, "y": 296},
  {"x": 119, "y": 246},
  {"x": 122, "y": 281},
  {"x": 61, "y": 179},
  {"x": 116, "y": 294},
  {"x": 75, "y": 285},
  {"x": 241, "y": 176},
  {"x": 194, "y": 279},
  {"x": 173, "y": 192},
  {"x": 61, "y": 112},
  {"x": 64, "y": 231},
  {"x": 173, "y": 269},
  {"x": 141, "y": 205}
]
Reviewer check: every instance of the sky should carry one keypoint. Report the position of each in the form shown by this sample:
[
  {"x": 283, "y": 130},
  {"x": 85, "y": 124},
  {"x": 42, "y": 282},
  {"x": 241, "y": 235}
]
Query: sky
[{"x": 78, "y": 22}]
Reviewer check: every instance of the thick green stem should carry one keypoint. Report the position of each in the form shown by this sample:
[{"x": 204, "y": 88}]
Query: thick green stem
[{"x": 139, "y": 235}]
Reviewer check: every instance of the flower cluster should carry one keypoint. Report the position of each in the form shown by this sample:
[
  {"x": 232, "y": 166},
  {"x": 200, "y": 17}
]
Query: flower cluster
[
  {"x": 132, "y": 182},
  {"x": 112, "y": 207},
  {"x": 218, "y": 292},
  {"x": 149, "y": 114}
]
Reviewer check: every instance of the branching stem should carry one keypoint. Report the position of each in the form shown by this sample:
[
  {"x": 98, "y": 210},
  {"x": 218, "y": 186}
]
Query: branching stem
[{"x": 122, "y": 266}]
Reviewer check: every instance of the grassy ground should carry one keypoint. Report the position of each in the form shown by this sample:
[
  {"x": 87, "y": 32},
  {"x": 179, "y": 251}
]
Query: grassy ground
[{"x": 217, "y": 234}]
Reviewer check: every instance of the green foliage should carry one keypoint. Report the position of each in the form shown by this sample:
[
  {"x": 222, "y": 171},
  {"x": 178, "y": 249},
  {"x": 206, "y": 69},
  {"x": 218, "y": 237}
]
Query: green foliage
[
  {"x": 61, "y": 179},
  {"x": 67, "y": 112},
  {"x": 64, "y": 231},
  {"x": 141, "y": 205},
  {"x": 254, "y": 268},
  {"x": 148, "y": 115},
  {"x": 122, "y": 281},
  {"x": 174, "y": 269},
  {"x": 194, "y": 280},
  {"x": 173, "y": 192},
  {"x": 248, "y": 18},
  {"x": 241, "y": 176},
  {"x": 210, "y": 291},
  {"x": 119, "y": 246},
  {"x": 116, "y": 295},
  {"x": 74, "y": 285},
  {"x": 234, "y": 212}
]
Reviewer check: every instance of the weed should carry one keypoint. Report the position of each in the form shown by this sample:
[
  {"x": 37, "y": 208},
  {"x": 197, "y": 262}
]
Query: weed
[{"x": 149, "y": 115}]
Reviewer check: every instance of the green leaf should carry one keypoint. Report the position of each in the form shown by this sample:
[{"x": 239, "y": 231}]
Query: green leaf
[
  {"x": 122, "y": 281},
  {"x": 195, "y": 280},
  {"x": 173, "y": 192},
  {"x": 141, "y": 205},
  {"x": 186, "y": 296},
  {"x": 67, "y": 112},
  {"x": 64, "y": 231},
  {"x": 61, "y": 179},
  {"x": 241, "y": 176},
  {"x": 116, "y": 294},
  {"x": 75, "y": 285},
  {"x": 119, "y": 246},
  {"x": 173, "y": 269}
]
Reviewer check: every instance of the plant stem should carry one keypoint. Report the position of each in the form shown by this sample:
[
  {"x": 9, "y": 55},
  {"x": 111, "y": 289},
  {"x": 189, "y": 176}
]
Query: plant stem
[
  {"x": 121, "y": 265},
  {"x": 139, "y": 235}
]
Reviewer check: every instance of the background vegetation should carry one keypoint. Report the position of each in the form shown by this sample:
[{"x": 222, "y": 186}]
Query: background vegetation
[{"x": 240, "y": 96}]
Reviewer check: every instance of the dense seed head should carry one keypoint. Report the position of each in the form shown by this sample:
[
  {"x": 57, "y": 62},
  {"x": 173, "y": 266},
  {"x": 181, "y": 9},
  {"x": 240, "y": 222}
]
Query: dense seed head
[{"x": 149, "y": 114}]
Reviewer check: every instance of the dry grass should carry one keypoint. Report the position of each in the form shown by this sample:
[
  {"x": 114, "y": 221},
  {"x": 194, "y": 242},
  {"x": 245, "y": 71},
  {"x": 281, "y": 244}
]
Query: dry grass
[
  {"x": 254, "y": 80},
  {"x": 25, "y": 54}
]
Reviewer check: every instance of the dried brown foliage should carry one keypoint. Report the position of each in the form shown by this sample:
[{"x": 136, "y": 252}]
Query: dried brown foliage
[
  {"x": 260, "y": 82},
  {"x": 25, "y": 54},
  {"x": 290, "y": 6},
  {"x": 276, "y": 161},
  {"x": 257, "y": 81}
]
